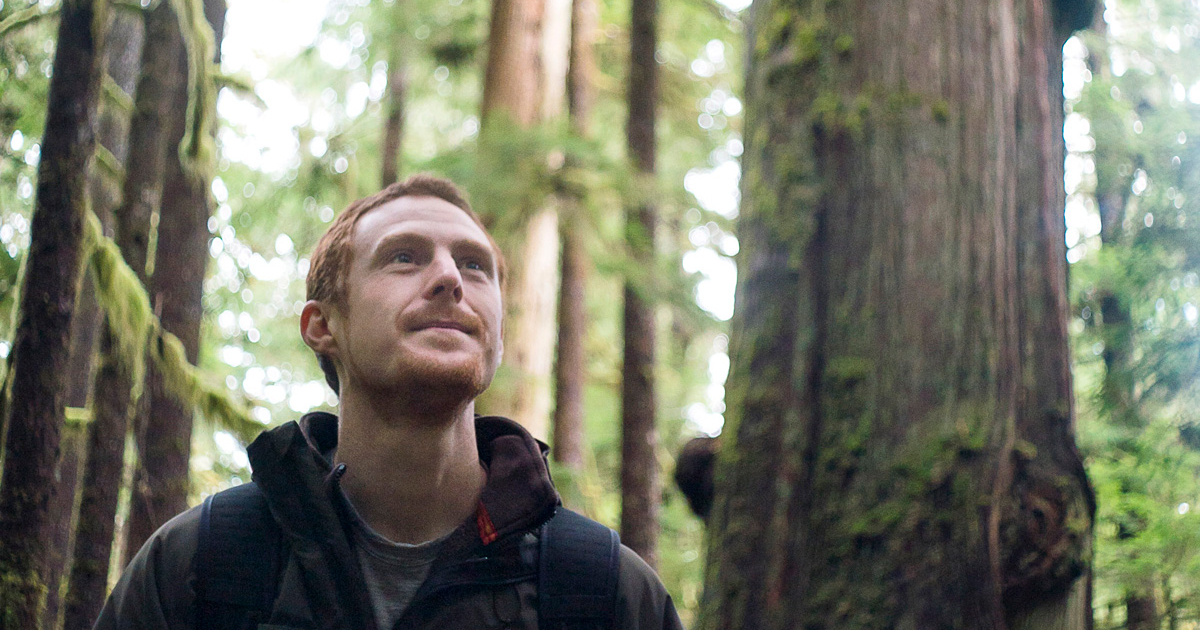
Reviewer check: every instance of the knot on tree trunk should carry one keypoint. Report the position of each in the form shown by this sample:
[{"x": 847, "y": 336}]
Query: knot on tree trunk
[{"x": 1046, "y": 535}]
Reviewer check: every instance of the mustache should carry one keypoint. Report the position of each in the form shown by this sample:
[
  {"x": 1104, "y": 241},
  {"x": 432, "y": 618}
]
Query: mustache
[{"x": 459, "y": 320}]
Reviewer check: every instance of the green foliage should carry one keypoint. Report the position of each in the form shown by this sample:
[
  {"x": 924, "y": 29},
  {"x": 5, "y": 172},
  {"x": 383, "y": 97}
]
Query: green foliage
[{"x": 1131, "y": 134}]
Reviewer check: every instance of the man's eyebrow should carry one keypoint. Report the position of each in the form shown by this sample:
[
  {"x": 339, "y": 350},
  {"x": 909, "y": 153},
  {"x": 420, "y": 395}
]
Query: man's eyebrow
[
  {"x": 474, "y": 248},
  {"x": 392, "y": 241}
]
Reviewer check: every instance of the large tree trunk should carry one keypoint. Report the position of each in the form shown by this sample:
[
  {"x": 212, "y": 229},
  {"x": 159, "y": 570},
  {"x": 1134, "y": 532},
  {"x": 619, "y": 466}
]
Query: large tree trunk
[
  {"x": 514, "y": 93},
  {"x": 160, "y": 483},
  {"x": 641, "y": 483},
  {"x": 47, "y": 302},
  {"x": 899, "y": 449},
  {"x": 570, "y": 370},
  {"x": 121, "y": 51},
  {"x": 113, "y": 383}
]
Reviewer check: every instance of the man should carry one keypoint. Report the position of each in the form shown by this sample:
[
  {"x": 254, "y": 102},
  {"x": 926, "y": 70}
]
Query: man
[{"x": 408, "y": 512}]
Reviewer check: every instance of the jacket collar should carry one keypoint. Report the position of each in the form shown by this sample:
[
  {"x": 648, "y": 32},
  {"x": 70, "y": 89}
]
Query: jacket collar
[{"x": 293, "y": 466}]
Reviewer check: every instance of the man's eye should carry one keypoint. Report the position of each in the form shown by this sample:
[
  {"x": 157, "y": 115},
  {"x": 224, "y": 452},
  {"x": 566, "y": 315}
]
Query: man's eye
[
  {"x": 402, "y": 257},
  {"x": 473, "y": 265}
]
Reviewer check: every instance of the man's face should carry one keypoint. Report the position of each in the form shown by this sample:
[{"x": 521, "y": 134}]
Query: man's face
[{"x": 422, "y": 307}]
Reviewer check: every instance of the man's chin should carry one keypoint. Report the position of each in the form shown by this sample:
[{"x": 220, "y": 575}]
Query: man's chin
[{"x": 461, "y": 379}]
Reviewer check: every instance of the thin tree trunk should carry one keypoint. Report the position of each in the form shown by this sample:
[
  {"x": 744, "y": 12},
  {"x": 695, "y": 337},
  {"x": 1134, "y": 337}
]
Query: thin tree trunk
[
  {"x": 571, "y": 367},
  {"x": 160, "y": 483},
  {"x": 1141, "y": 610},
  {"x": 877, "y": 468},
  {"x": 121, "y": 51},
  {"x": 397, "y": 86},
  {"x": 570, "y": 373},
  {"x": 47, "y": 302},
  {"x": 641, "y": 483},
  {"x": 112, "y": 387}
]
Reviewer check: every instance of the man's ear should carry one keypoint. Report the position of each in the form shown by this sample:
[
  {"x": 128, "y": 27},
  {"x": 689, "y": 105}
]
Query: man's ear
[{"x": 317, "y": 327}]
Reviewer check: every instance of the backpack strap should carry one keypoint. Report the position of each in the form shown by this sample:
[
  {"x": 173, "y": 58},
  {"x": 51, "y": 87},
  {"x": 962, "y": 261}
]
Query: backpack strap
[
  {"x": 578, "y": 573},
  {"x": 237, "y": 560}
]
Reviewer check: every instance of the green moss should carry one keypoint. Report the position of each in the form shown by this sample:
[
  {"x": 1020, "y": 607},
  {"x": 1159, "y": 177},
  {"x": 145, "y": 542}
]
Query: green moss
[
  {"x": 807, "y": 42},
  {"x": 1025, "y": 449},
  {"x": 843, "y": 44},
  {"x": 901, "y": 100},
  {"x": 940, "y": 110}
]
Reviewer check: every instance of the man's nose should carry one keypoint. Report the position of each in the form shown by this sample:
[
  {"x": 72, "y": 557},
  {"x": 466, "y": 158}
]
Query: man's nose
[{"x": 446, "y": 279}]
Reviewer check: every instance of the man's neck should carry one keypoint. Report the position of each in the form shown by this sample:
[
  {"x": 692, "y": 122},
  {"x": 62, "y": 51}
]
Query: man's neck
[{"x": 413, "y": 478}]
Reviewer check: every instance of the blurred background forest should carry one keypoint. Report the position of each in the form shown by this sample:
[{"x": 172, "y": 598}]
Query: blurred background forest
[{"x": 323, "y": 101}]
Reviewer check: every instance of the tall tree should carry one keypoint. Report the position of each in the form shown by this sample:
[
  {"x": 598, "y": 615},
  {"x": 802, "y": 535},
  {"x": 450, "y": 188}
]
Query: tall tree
[
  {"x": 514, "y": 94},
  {"x": 570, "y": 369},
  {"x": 47, "y": 302},
  {"x": 122, "y": 49},
  {"x": 641, "y": 483},
  {"x": 160, "y": 483},
  {"x": 113, "y": 384},
  {"x": 899, "y": 447}
]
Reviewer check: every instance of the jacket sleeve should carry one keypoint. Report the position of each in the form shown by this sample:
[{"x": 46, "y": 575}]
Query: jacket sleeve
[
  {"x": 642, "y": 601},
  {"x": 157, "y": 589}
]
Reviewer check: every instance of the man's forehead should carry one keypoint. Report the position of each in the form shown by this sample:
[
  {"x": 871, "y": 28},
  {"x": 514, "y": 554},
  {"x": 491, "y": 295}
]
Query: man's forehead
[{"x": 421, "y": 213}]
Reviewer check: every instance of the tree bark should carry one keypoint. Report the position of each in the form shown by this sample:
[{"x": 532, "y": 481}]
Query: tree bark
[
  {"x": 1046, "y": 415},
  {"x": 570, "y": 370},
  {"x": 113, "y": 384},
  {"x": 397, "y": 87},
  {"x": 122, "y": 48},
  {"x": 898, "y": 450},
  {"x": 513, "y": 73},
  {"x": 641, "y": 483},
  {"x": 571, "y": 367},
  {"x": 62, "y": 509},
  {"x": 513, "y": 92},
  {"x": 160, "y": 483},
  {"x": 47, "y": 301}
]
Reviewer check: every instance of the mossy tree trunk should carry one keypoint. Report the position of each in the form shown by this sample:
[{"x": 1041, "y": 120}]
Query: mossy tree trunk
[
  {"x": 899, "y": 446},
  {"x": 570, "y": 368},
  {"x": 41, "y": 341},
  {"x": 160, "y": 482},
  {"x": 641, "y": 483},
  {"x": 121, "y": 59},
  {"x": 113, "y": 384}
]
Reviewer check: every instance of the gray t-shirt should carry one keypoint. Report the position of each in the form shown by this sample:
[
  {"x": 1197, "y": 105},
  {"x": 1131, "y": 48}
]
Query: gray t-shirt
[{"x": 392, "y": 571}]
